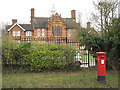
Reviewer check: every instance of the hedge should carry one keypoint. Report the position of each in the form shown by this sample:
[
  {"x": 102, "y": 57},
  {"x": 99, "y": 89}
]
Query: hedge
[{"x": 38, "y": 55}]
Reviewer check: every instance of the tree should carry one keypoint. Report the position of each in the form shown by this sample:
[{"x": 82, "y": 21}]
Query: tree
[
  {"x": 3, "y": 29},
  {"x": 109, "y": 40},
  {"x": 79, "y": 18},
  {"x": 109, "y": 43},
  {"x": 105, "y": 12}
]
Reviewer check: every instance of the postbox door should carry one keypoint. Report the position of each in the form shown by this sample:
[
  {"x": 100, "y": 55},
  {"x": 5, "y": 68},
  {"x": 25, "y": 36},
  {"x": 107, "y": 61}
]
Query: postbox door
[{"x": 102, "y": 65}]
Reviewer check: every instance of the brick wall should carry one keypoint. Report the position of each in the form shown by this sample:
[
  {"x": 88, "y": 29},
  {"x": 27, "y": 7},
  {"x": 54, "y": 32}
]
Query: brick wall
[
  {"x": 57, "y": 20},
  {"x": 16, "y": 28}
]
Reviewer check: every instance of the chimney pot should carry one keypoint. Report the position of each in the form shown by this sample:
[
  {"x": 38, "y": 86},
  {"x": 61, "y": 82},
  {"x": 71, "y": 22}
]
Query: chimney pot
[
  {"x": 14, "y": 21},
  {"x": 73, "y": 14},
  {"x": 32, "y": 13},
  {"x": 88, "y": 25}
]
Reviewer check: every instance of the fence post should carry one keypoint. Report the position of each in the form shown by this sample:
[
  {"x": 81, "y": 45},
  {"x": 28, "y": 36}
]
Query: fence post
[
  {"x": 66, "y": 40},
  {"x": 88, "y": 59}
]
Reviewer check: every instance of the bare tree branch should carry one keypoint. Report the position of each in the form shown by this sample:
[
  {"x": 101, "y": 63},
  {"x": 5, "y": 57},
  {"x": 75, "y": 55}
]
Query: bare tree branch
[{"x": 106, "y": 10}]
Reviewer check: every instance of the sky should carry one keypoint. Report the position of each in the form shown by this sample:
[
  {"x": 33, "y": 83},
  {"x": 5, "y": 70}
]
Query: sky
[{"x": 20, "y": 9}]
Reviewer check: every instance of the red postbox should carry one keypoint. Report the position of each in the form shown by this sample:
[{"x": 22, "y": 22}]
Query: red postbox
[{"x": 101, "y": 66}]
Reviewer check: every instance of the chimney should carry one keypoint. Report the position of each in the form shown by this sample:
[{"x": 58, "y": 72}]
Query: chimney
[
  {"x": 14, "y": 21},
  {"x": 88, "y": 25},
  {"x": 32, "y": 14},
  {"x": 73, "y": 14}
]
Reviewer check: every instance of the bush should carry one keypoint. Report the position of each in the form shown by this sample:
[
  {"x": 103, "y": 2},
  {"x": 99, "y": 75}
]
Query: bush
[
  {"x": 49, "y": 55},
  {"x": 13, "y": 53},
  {"x": 8, "y": 46},
  {"x": 38, "y": 55}
]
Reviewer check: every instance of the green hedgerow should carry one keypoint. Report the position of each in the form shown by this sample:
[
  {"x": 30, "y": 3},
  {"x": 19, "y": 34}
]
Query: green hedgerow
[{"x": 39, "y": 55}]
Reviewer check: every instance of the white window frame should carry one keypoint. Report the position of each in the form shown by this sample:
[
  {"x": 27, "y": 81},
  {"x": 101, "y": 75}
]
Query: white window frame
[
  {"x": 28, "y": 33},
  {"x": 16, "y": 33},
  {"x": 38, "y": 32},
  {"x": 43, "y": 32}
]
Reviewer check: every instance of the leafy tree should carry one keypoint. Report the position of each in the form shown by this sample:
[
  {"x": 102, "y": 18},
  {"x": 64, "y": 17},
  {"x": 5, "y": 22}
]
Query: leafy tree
[
  {"x": 109, "y": 40},
  {"x": 109, "y": 43},
  {"x": 105, "y": 12}
]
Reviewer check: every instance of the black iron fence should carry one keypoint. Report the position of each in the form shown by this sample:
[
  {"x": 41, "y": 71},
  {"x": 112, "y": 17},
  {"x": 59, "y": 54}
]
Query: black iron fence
[{"x": 84, "y": 57}]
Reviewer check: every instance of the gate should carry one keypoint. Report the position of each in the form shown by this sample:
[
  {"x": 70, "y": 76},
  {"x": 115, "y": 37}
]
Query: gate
[{"x": 88, "y": 60}]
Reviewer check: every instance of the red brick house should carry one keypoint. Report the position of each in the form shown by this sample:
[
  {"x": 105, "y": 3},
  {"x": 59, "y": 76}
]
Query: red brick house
[
  {"x": 46, "y": 28},
  {"x": 54, "y": 26},
  {"x": 90, "y": 29}
]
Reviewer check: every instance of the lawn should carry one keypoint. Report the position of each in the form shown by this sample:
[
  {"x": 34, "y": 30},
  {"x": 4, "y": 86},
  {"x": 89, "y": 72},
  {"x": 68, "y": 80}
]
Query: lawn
[
  {"x": 85, "y": 58},
  {"x": 81, "y": 79}
]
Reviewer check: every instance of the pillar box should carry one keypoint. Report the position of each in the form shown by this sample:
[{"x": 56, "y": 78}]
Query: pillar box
[{"x": 101, "y": 66}]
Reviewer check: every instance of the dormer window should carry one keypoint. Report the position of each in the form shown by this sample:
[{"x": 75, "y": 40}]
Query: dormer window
[
  {"x": 56, "y": 30},
  {"x": 28, "y": 33},
  {"x": 16, "y": 33}
]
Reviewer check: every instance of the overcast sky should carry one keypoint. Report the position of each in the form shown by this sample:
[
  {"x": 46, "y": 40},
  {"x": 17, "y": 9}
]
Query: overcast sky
[{"x": 20, "y": 9}]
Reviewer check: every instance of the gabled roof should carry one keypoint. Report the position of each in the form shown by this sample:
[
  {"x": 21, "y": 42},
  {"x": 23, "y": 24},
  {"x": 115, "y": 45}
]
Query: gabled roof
[
  {"x": 90, "y": 30},
  {"x": 42, "y": 22},
  {"x": 71, "y": 24},
  {"x": 14, "y": 26},
  {"x": 24, "y": 27},
  {"x": 27, "y": 27}
]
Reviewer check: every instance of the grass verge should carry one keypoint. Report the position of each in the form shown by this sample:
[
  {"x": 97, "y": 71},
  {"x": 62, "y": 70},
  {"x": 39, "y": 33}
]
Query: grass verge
[{"x": 81, "y": 79}]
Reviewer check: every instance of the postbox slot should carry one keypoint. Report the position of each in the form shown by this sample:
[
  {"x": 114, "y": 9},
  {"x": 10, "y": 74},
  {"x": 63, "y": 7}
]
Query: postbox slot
[{"x": 102, "y": 57}]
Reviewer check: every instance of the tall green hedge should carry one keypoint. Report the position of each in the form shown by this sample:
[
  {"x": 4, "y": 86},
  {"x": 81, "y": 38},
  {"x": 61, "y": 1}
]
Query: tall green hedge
[{"x": 38, "y": 55}]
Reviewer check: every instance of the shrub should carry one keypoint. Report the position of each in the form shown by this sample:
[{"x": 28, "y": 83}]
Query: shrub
[
  {"x": 38, "y": 55},
  {"x": 13, "y": 53},
  {"x": 49, "y": 55},
  {"x": 8, "y": 46}
]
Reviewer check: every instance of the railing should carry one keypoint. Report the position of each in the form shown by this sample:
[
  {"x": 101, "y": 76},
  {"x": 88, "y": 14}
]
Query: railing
[
  {"x": 58, "y": 40},
  {"x": 87, "y": 60}
]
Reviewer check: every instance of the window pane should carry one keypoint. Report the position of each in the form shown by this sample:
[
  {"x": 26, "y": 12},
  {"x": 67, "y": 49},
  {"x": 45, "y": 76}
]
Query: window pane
[
  {"x": 43, "y": 32},
  {"x": 38, "y": 32},
  {"x": 56, "y": 30},
  {"x": 13, "y": 33},
  {"x": 42, "y": 29},
  {"x": 16, "y": 33},
  {"x": 28, "y": 33}
]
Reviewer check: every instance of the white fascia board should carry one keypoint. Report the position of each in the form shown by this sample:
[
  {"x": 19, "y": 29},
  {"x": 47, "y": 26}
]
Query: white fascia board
[
  {"x": 94, "y": 30},
  {"x": 15, "y": 25}
]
